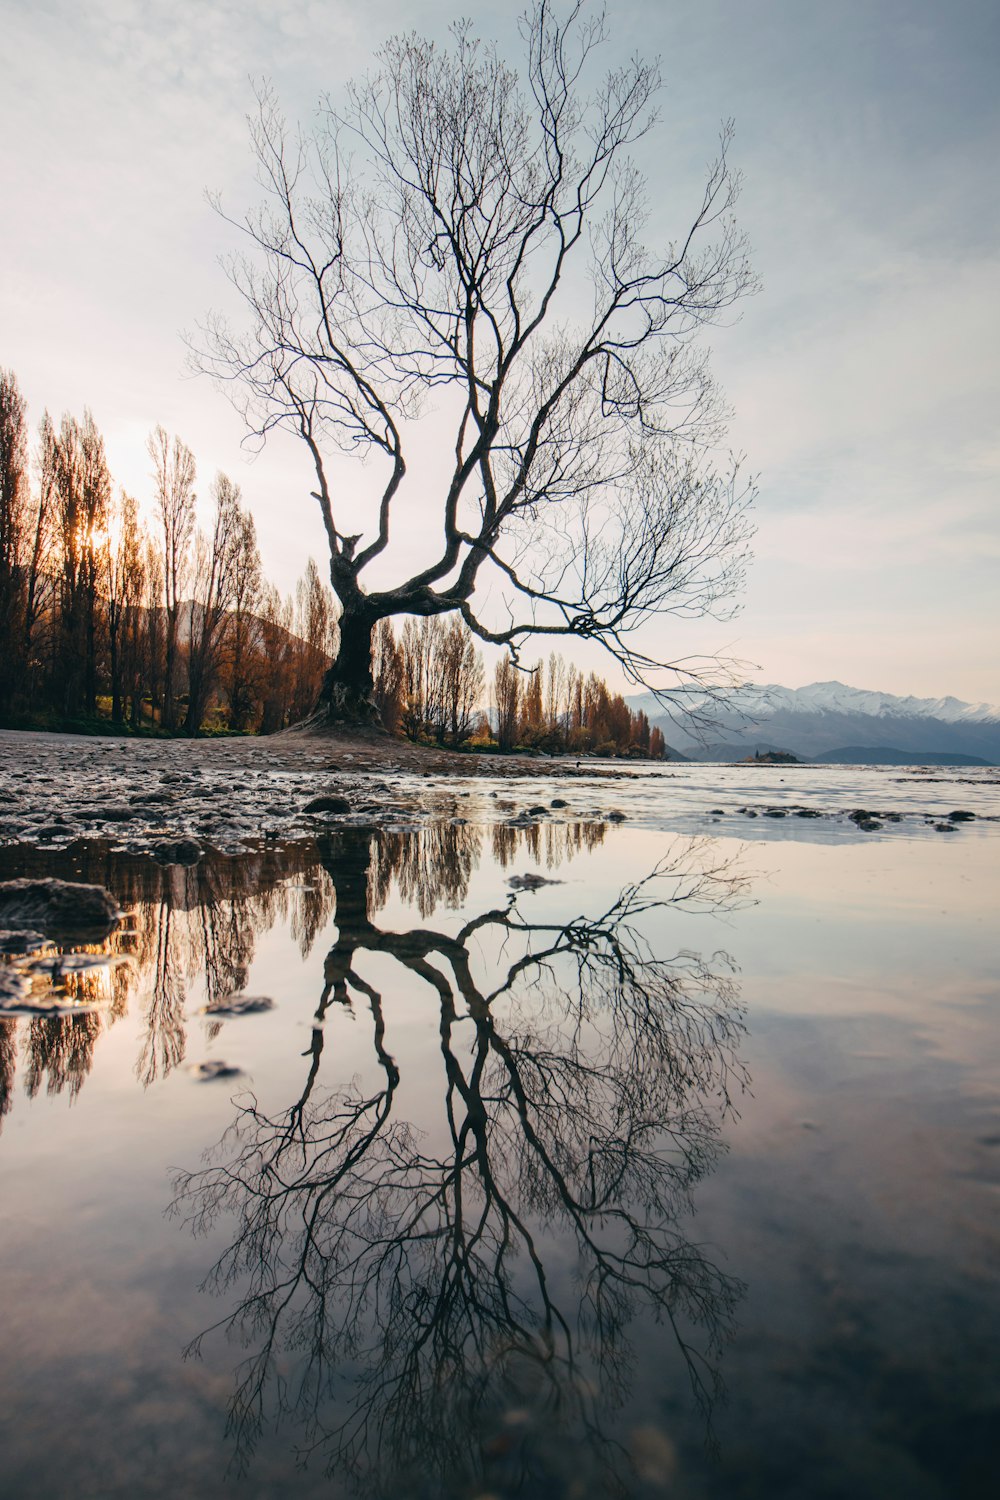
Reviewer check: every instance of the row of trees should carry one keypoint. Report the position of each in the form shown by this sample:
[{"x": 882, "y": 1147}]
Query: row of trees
[
  {"x": 558, "y": 709},
  {"x": 430, "y": 682},
  {"x": 171, "y": 625},
  {"x": 174, "y": 626}
]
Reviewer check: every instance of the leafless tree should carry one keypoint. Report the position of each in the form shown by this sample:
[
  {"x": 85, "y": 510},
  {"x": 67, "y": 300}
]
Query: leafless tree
[
  {"x": 82, "y": 493},
  {"x": 123, "y": 584},
  {"x": 243, "y": 637},
  {"x": 387, "y": 674},
  {"x": 454, "y": 231},
  {"x": 14, "y": 523},
  {"x": 174, "y": 476},
  {"x": 316, "y": 629},
  {"x": 213, "y": 582},
  {"x": 506, "y": 702},
  {"x": 39, "y": 582}
]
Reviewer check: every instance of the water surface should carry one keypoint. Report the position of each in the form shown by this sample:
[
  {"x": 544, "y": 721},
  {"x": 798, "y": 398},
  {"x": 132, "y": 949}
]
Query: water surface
[{"x": 562, "y": 1160}]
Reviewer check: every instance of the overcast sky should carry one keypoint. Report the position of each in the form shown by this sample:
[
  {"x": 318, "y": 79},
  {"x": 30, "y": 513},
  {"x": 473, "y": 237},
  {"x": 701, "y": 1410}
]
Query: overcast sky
[{"x": 864, "y": 375}]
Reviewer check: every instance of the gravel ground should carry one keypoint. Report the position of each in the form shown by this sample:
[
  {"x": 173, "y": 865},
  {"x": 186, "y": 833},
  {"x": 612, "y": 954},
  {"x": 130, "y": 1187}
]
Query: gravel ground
[{"x": 173, "y": 797}]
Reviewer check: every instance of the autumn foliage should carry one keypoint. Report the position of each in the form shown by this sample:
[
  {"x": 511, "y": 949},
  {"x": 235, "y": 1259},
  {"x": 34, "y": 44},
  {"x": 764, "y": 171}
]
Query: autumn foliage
[{"x": 161, "y": 626}]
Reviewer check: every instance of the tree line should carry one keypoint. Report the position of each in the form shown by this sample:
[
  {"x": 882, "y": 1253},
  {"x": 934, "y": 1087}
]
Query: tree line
[
  {"x": 170, "y": 626},
  {"x": 163, "y": 626},
  {"x": 430, "y": 682}
]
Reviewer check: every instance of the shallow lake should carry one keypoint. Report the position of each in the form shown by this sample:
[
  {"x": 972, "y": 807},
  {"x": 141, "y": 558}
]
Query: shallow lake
[{"x": 570, "y": 1159}]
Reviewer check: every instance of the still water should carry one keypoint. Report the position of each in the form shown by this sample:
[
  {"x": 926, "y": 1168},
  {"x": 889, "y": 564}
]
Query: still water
[{"x": 566, "y": 1160}]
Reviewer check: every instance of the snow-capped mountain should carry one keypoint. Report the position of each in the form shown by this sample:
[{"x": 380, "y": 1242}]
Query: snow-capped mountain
[
  {"x": 837, "y": 697},
  {"x": 826, "y": 717}
]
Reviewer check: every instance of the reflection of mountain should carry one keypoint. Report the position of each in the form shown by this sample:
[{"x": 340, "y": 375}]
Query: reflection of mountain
[
  {"x": 446, "y": 1310},
  {"x": 825, "y": 717}
]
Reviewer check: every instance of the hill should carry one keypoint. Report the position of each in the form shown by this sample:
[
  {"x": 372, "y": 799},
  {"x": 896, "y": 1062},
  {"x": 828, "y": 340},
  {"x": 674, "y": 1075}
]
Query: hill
[{"x": 829, "y": 719}]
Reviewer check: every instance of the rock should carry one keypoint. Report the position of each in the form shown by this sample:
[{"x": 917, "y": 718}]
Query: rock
[
  {"x": 238, "y": 1005},
  {"x": 615, "y": 816},
  {"x": 22, "y": 942},
  {"x": 961, "y": 816},
  {"x": 14, "y": 988},
  {"x": 208, "y": 1072},
  {"x": 177, "y": 852},
  {"x": 329, "y": 804},
  {"x": 557, "y": 802},
  {"x": 868, "y": 825},
  {"x": 58, "y": 905},
  {"x": 537, "y": 812},
  {"x": 946, "y": 827},
  {"x": 807, "y": 812},
  {"x": 109, "y": 812},
  {"x": 775, "y": 812}
]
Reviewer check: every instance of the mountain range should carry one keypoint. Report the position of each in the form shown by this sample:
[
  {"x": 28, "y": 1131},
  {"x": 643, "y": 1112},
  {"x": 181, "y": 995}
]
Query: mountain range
[{"x": 828, "y": 721}]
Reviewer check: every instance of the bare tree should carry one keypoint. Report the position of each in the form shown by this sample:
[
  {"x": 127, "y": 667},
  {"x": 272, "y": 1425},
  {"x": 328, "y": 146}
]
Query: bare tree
[
  {"x": 441, "y": 234},
  {"x": 39, "y": 583},
  {"x": 387, "y": 673},
  {"x": 82, "y": 492},
  {"x": 154, "y": 626},
  {"x": 316, "y": 628},
  {"x": 13, "y": 523},
  {"x": 123, "y": 583},
  {"x": 506, "y": 701},
  {"x": 212, "y": 597},
  {"x": 174, "y": 476},
  {"x": 241, "y": 668}
]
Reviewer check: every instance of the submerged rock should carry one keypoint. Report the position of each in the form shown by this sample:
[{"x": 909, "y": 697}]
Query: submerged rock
[
  {"x": 328, "y": 803},
  {"x": 208, "y": 1072},
  {"x": 14, "y": 988},
  {"x": 177, "y": 852},
  {"x": 22, "y": 942},
  {"x": 530, "y": 882},
  {"x": 109, "y": 812},
  {"x": 58, "y": 905},
  {"x": 238, "y": 1005}
]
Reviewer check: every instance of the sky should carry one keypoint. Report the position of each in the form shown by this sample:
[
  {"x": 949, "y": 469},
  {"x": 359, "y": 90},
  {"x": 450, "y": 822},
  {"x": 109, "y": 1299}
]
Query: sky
[{"x": 862, "y": 376}]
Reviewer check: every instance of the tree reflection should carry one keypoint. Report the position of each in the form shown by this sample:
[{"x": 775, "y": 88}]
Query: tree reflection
[
  {"x": 201, "y": 922},
  {"x": 8, "y": 1064},
  {"x": 401, "y": 1272},
  {"x": 183, "y": 923}
]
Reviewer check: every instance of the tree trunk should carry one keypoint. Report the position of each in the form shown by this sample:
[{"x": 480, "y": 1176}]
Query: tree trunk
[{"x": 347, "y": 695}]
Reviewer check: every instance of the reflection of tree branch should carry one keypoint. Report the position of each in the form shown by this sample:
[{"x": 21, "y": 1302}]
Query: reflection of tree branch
[{"x": 582, "y": 1098}]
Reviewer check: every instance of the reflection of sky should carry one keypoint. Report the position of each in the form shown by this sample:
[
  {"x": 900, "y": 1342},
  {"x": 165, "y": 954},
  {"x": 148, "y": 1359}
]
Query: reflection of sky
[{"x": 863, "y": 375}]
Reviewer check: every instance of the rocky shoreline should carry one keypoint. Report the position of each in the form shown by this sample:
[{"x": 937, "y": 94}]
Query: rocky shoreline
[
  {"x": 170, "y": 798},
  {"x": 174, "y": 799}
]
